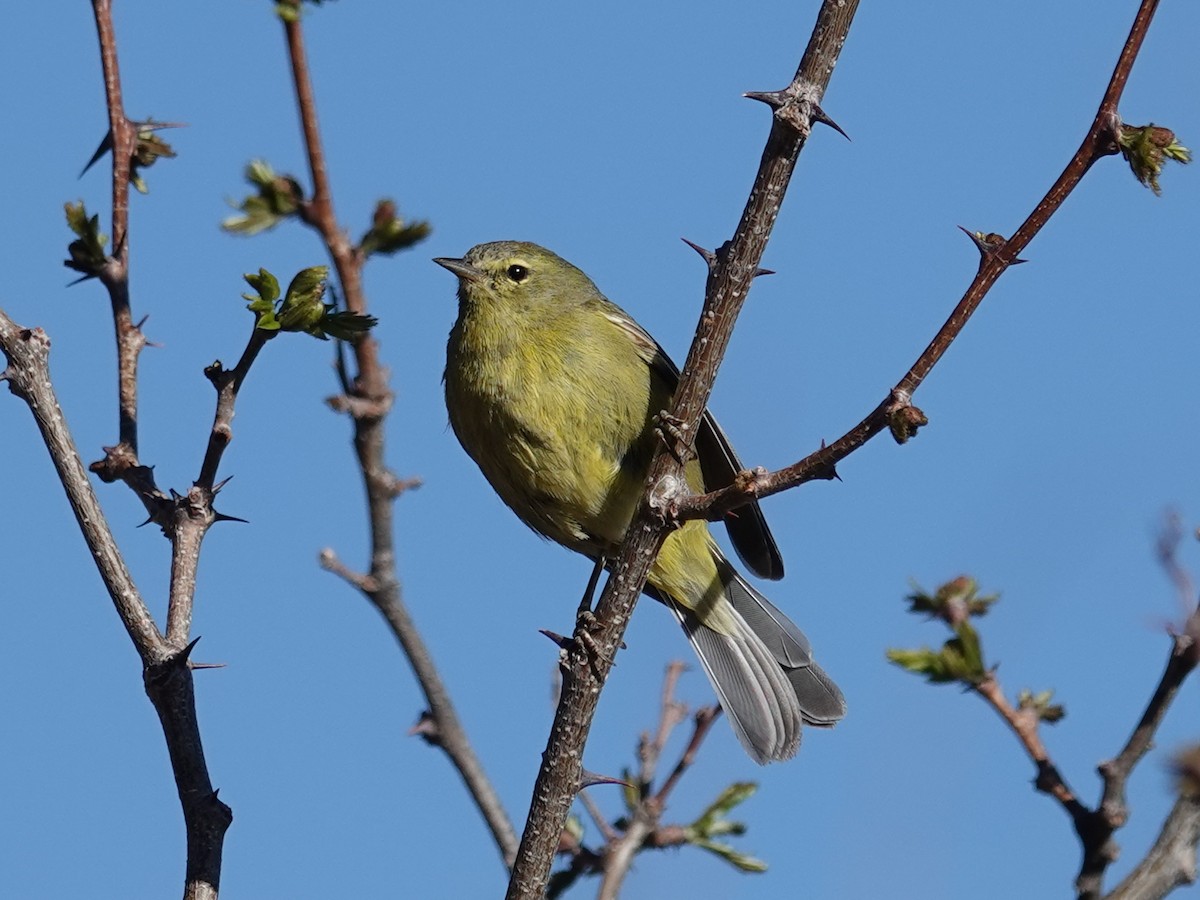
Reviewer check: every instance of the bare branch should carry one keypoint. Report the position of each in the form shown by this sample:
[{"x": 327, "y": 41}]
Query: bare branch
[
  {"x": 115, "y": 275},
  {"x": 28, "y": 375},
  {"x": 367, "y": 398}
]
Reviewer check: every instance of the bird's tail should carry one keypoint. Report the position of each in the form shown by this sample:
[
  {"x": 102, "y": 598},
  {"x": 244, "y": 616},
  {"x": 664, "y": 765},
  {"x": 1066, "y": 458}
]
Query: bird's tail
[{"x": 763, "y": 672}]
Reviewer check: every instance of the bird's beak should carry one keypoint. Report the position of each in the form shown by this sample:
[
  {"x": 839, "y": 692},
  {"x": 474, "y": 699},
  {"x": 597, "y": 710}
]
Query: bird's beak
[{"x": 460, "y": 267}]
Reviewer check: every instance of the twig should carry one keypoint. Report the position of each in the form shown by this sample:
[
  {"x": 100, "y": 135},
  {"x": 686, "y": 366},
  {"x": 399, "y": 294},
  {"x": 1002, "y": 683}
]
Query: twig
[
  {"x": 1024, "y": 724},
  {"x": 896, "y": 412},
  {"x": 735, "y": 267},
  {"x": 606, "y": 831},
  {"x": 702, "y": 723},
  {"x": 368, "y": 400},
  {"x": 115, "y": 273}
]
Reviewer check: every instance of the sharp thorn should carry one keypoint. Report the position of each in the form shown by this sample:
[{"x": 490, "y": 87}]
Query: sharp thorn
[
  {"x": 105, "y": 146},
  {"x": 564, "y": 643},
  {"x": 707, "y": 255},
  {"x": 773, "y": 99},
  {"x": 587, "y": 779},
  {"x": 818, "y": 115}
]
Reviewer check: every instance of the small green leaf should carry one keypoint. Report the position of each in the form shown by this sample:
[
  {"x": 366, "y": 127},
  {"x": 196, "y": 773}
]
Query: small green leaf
[
  {"x": 147, "y": 151},
  {"x": 302, "y": 308},
  {"x": 953, "y": 602},
  {"x": 343, "y": 325},
  {"x": 277, "y": 197},
  {"x": 262, "y": 302},
  {"x": 87, "y": 254},
  {"x": 734, "y": 858},
  {"x": 265, "y": 284},
  {"x": 1147, "y": 148},
  {"x": 1041, "y": 703},
  {"x": 959, "y": 660},
  {"x": 389, "y": 233}
]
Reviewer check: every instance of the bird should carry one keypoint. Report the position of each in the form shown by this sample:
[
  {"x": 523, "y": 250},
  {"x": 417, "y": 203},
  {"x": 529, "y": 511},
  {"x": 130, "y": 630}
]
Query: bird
[{"x": 553, "y": 391}]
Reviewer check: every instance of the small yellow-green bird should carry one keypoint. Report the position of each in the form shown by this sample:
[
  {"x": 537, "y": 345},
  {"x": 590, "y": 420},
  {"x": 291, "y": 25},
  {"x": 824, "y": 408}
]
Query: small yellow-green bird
[{"x": 552, "y": 390}]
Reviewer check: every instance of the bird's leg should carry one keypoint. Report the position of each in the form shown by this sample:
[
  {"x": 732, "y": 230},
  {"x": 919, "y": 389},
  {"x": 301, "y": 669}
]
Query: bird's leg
[
  {"x": 585, "y": 620},
  {"x": 584, "y": 613},
  {"x": 670, "y": 431}
]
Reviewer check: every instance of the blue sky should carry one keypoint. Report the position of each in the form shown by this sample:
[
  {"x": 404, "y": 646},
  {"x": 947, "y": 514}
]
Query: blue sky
[{"x": 1062, "y": 425}]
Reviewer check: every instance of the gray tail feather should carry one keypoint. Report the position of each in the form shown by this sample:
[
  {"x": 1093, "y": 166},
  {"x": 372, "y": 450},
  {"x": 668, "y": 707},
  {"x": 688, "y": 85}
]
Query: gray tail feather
[
  {"x": 752, "y": 687},
  {"x": 764, "y": 674},
  {"x": 821, "y": 701}
]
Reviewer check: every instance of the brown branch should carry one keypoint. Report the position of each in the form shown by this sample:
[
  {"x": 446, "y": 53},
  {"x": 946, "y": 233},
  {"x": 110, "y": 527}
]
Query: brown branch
[
  {"x": 702, "y": 723},
  {"x": 367, "y": 400},
  {"x": 1099, "y": 850},
  {"x": 1171, "y": 862},
  {"x": 1024, "y": 725},
  {"x": 735, "y": 266},
  {"x": 896, "y": 412},
  {"x": 28, "y": 375},
  {"x": 115, "y": 273},
  {"x": 167, "y": 676}
]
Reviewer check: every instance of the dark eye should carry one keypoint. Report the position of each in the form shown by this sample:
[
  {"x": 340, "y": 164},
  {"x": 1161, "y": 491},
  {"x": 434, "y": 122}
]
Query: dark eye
[{"x": 517, "y": 273}]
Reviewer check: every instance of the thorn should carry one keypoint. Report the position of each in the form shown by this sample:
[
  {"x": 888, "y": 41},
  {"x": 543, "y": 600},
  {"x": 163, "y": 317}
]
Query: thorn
[
  {"x": 196, "y": 665},
  {"x": 105, "y": 145},
  {"x": 588, "y": 779},
  {"x": 150, "y": 125},
  {"x": 832, "y": 470},
  {"x": 988, "y": 244},
  {"x": 773, "y": 99},
  {"x": 762, "y": 271},
  {"x": 216, "y": 489},
  {"x": 427, "y": 729},
  {"x": 221, "y": 517},
  {"x": 710, "y": 258},
  {"x": 564, "y": 643},
  {"x": 147, "y": 522},
  {"x": 142, "y": 321},
  {"x": 186, "y": 654},
  {"x": 79, "y": 280},
  {"x": 818, "y": 115}
]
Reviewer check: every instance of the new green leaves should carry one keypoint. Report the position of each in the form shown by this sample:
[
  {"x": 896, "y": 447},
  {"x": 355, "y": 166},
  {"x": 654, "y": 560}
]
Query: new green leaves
[
  {"x": 1147, "y": 149},
  {"x": 87, "y": 250},
  {"x": 960, "y": 659},
  {"x": 713, "y": 823},
  {"x": 389, "y": 233},
  {"x": 278, "y": 197},
  {"x": 302, "y": 308}
]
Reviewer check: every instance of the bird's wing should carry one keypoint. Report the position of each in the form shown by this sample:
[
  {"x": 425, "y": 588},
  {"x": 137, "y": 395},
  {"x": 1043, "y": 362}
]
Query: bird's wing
[{"x": 719, "y": 465}]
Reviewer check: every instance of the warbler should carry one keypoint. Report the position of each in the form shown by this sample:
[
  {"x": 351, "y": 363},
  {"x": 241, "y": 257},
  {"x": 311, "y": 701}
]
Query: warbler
[{"x": 553, "y": 390}]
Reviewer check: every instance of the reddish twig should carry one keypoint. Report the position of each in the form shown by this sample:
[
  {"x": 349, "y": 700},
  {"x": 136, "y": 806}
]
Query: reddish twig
[{"x": 367, "y": 400}]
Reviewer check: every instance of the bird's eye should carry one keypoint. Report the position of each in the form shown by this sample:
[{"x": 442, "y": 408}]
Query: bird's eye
[{"x": 517, "y": 273}]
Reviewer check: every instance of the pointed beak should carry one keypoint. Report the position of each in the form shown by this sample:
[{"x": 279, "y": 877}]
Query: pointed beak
[{"x": 460, "y": 267}]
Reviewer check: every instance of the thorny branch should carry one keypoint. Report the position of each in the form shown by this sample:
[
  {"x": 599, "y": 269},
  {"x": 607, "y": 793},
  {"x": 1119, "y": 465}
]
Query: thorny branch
[
  {"x": 735, "y": 266},
  {"x": 641, "y": 828},
  {"x": 895, "y": 412}
]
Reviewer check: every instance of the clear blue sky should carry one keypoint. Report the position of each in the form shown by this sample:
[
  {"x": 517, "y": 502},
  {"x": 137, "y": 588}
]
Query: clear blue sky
[{"x": 1063, "y": 423}]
